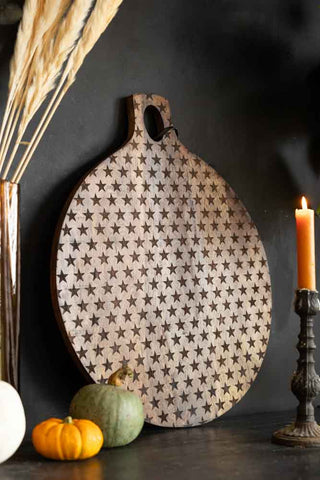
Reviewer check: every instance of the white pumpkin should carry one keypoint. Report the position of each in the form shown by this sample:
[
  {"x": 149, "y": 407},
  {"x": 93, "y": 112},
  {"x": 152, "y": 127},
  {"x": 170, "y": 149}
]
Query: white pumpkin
[{"x": 12, "y": 421}]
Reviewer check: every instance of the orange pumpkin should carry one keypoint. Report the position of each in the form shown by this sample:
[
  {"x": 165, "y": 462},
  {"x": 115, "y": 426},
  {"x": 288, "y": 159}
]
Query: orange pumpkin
[{"x": 67, "y": 439}]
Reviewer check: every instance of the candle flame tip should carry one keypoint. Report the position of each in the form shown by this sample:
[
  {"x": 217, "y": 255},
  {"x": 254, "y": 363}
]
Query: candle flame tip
[{"x": 304, "y": 203}]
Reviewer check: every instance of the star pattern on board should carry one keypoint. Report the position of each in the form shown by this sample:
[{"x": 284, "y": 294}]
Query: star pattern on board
[{"x": 159, "y": 265}]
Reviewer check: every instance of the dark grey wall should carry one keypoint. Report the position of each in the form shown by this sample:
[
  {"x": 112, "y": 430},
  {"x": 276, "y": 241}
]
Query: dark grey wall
[{"x": 243, "y": 81}]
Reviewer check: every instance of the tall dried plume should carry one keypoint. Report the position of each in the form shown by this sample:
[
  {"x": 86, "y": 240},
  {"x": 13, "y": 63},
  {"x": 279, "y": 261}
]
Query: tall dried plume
[{"x": 60, "y": 41}]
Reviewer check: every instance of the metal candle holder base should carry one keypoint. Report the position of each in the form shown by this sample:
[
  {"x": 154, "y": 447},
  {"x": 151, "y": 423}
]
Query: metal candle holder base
[{"x": 305, "y": 383}]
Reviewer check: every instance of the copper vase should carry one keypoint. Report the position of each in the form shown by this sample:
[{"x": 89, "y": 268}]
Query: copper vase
[{"x": 9, "y": 281}]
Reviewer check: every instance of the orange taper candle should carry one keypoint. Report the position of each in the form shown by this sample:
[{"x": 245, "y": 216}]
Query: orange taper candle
[{"x": 305, "y": 247}]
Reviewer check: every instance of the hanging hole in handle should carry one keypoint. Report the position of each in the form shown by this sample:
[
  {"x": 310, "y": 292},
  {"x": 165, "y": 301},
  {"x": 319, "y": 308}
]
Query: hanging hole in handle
[{"x": 153, "y": 122}]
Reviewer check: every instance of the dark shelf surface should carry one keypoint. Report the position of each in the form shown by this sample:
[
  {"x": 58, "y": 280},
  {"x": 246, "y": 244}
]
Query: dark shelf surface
[{"x": 233, "y": 447}]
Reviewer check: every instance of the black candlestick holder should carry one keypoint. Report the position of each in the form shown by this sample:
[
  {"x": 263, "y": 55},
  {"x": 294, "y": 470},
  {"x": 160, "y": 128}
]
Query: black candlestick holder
[{"x": 305, "y": 383}]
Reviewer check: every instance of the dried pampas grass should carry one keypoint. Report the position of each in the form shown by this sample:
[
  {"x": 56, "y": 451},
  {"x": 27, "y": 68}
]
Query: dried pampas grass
[
  {"x": 53, "y": 40},
  {"x": 99, "y": 19},
  {"x": 25, "y": 35},
  {"x": 31, "y": 96},
  {"x": 50, "y": 59},
  {"x": 101, "y": 16}
]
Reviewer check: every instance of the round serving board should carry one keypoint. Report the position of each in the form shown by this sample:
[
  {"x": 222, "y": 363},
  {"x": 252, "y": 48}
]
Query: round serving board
[{"x": 158, "y": 264}]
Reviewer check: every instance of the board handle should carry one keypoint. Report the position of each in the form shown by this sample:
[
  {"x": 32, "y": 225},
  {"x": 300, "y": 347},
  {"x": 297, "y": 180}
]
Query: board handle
[{"x": 137, "y": 106}]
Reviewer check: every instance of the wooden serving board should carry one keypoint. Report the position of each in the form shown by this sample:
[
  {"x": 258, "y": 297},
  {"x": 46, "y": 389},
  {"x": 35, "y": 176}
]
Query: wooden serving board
[{"x": 157, "y": 263}]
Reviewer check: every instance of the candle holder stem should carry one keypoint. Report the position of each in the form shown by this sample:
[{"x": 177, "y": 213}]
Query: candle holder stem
[{"x": 305, "y": 383}]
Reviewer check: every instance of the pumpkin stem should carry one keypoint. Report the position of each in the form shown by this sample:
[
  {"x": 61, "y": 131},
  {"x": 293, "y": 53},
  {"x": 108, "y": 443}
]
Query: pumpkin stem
[
  {"x": 68, "y": 420},
  {"x": 117, "y": 377}
]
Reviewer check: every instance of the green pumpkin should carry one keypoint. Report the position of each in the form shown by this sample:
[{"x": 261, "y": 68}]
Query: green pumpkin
[{"x": 118, "y": 412}]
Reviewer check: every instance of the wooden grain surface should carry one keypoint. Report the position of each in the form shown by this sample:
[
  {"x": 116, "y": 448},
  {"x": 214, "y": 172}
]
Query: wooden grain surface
[{"x": 157, "y": 263}]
